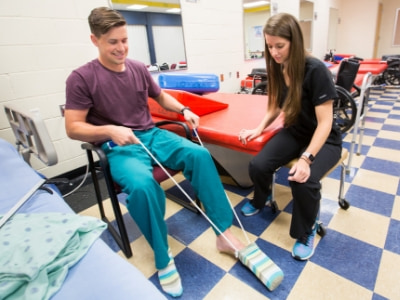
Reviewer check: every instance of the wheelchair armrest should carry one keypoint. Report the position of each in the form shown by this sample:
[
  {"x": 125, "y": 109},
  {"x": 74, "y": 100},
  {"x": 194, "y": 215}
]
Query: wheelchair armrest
[
  {"x": 356, "y": 59},
  {"x": 357, "y": 91},
  {"x": 262, "y": 75},
  {"x": 179, "y": 123}
]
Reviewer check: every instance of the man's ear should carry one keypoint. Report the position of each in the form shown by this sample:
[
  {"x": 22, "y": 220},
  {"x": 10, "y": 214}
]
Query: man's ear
[{"x": 94, "y": 39}]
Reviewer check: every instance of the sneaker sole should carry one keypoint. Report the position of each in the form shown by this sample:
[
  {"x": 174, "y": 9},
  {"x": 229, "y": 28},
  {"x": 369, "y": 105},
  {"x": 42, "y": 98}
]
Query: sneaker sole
[
  {"x": 302, "y": 258},
  {"x": 251, "y": 214}
]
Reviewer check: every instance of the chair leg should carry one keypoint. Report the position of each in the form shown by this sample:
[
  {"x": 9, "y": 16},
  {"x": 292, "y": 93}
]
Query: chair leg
[
  {"x": 274, "y": 205},
  {"x": 121, "y": 237},
  {"x": 343, "y": 203},
  {"x": 95, "y": 181}
]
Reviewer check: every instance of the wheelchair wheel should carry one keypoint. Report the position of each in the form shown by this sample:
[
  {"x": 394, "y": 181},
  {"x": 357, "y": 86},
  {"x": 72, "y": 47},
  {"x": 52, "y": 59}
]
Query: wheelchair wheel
[
  {"x": 274, "y": 207},
  {"x": 260, "y": 89},
  {"x": 344, "y": 110},
  {"x": 344, "y": 204},
  {"x": 321, "y": 230},
  {"x": 391, "y": 75}
]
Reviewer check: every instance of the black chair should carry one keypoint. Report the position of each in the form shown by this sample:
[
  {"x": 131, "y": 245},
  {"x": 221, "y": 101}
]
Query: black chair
[{"x": 120, "y": 235}]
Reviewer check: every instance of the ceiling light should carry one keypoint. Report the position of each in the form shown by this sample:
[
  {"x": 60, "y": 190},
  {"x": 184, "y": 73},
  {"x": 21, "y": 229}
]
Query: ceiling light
[
  {"x": 255, "y": 4},
  {"x": 136, "y": 6},
  {"x": 173, "y": 10}
]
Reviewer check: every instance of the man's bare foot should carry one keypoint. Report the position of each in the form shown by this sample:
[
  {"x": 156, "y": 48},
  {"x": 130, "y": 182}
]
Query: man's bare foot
[{"x": 224, "y": 246}]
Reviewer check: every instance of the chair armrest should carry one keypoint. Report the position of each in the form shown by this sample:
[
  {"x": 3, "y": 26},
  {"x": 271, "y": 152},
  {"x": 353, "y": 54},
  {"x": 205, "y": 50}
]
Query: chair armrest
[
  {"x": 102, "y": 156},
  {"x": 100, "y": 153},
  {"x": 185, "y": 126}
]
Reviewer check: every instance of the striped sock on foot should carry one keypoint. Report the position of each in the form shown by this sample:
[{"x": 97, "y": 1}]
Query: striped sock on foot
[
  {"x": 262, "y": 266},
  {"x": 170, "y": 280}
]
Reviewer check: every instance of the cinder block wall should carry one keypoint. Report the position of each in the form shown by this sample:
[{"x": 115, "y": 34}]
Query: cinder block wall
[{"x": 40, "y": 43}]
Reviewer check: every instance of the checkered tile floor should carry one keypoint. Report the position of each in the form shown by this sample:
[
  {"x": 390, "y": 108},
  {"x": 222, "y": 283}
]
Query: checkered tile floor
[{"x": 359, "y": 257}]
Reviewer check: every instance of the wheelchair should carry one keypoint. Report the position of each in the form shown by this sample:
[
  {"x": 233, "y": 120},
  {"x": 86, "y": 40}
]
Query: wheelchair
[
  {"x": 345, "y": 107},
  {"x": 255, "y": 82},
  {"x": 260, "y": 84},
  {"x": 391, "y": 75}
]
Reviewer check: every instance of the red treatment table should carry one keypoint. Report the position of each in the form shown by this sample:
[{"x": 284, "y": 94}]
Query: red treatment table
[{"x": 219, "y": 130}]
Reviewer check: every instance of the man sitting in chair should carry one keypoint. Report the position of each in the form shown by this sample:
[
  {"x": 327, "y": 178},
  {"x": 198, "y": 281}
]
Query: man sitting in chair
[{"x": 106, "y": 101}]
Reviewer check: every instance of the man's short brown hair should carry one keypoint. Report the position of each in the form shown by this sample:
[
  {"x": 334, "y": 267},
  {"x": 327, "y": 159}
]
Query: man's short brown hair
[{"x": 102, "y": 19}]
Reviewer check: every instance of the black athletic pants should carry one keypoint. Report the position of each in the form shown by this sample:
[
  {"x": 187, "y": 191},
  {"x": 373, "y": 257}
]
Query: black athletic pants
[{"x": 277, "y": 152}]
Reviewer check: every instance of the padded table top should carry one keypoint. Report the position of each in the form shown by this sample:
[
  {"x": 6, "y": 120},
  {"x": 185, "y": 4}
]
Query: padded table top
[
  {"x": 243, "y": 111},
  {"x": 374, "y": 68},
  {"x": 222, "y": 127},
  {"x": 372, "y": 61}
]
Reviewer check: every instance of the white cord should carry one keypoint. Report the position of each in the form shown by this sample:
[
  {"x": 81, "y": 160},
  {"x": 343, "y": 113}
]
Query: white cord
[
  {"x": 237, "y": 219},
  {"x": 229, "y": 200},
  {"x": 196, "y": 134},
  {"x": 82, "y": 182}
]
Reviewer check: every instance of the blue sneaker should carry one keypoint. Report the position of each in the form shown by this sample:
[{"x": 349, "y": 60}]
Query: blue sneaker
[
  {"x": 303, "y": 249},
  {"x": 249, "y": 210}
]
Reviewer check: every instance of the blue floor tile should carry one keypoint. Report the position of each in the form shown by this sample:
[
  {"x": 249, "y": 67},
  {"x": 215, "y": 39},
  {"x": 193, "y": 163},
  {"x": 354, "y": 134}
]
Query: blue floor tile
[
  {"x": 386, "y": 143},
  {"x": 133, "y": 232},
  {"x": 349, "y": 258},
  {"x": 370, "y": 200},
  {"x": 187, "y": 187},
  {"x": 255, "y": 224},
  {"x": 398, "y": 189},
  {"x": 394, "y": 128},
  {"x": 378, "y": 297},
  {"x": 393, "y": 237},
  {"x": 379, "y": 110},
  {"x": 374, "y": 119},
  {"x": 370, "y": 132},
  {"x": 381, "y": 166},
  {"x": 393, "y": 116},
  {"x": 186, "y": 226},
  {"x": 238, "y": 190}
]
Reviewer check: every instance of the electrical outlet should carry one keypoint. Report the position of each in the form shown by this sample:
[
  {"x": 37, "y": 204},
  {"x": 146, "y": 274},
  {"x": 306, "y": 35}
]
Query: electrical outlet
[{"x": 62, "y": 109}]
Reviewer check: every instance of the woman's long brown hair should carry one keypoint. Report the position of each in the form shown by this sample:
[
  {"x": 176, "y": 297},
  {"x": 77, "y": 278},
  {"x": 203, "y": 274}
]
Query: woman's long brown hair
[{"x": 286, "y": 26}]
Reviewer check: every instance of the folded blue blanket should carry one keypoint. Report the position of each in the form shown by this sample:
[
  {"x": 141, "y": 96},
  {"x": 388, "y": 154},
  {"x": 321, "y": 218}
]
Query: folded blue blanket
[{"x": 38, "y": 249}]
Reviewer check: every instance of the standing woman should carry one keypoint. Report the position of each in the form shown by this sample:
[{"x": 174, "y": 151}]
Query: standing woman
[{"x": 301, "y": 87}]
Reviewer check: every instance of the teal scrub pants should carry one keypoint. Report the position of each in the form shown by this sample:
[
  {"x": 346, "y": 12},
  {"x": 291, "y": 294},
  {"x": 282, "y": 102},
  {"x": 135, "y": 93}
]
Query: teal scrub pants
[{"x": 131, "y": 167}]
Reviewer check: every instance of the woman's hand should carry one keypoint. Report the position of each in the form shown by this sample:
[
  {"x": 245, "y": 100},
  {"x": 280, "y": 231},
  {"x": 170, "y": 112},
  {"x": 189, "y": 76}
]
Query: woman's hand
[
  {"x": 246, "y": 135},
  {"x": 300, "y": 172}
]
